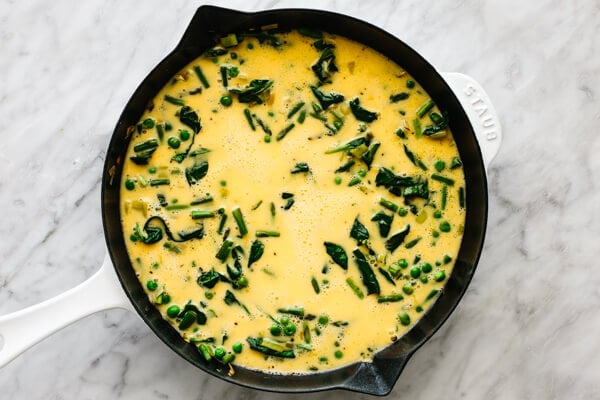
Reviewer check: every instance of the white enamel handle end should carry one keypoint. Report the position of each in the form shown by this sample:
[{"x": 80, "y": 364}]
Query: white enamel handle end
[
  {"x": 24, "y": 328},
  {"x": 481, "y": 113}
]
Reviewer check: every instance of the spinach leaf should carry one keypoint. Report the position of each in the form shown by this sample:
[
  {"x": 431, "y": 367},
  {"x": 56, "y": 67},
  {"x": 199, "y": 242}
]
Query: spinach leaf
[
  {"x": 384, "y": 222},
  {"x": 360, "y": 113},
  {"x": 325, "y": 65},
  {"x": 327, "y": 99},
  {"x": 188, "y": 117},
  {"x": 209, "y": 279},
  {"x": 257, "y": 248},
  {"x": 368, "y": 276},
  {"x": 197, "y": 172},
  {"x": 396, "y": 240},
  {"x": 257, "y": 91},
  {"x": 359, "y": 231},
  {"x": 337, "y": 254}
]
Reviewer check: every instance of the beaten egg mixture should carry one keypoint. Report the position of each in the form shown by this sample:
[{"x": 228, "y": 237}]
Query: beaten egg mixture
[{"x": 292, "y": 201}]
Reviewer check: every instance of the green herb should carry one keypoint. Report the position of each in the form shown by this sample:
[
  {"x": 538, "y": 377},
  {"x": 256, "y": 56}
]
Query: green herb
[
  {"x": 206, "y": 199},
  {"x": 387, "y": 276},
  {"x": 360, "y": 113},
  {"x": 143, "y": 157},
  {"x": 297, "y": 311},
  {"x": 400, "y": 185},
  {"x": 439, "y": 125},
  {"x": 368, "y": 276},
  {"x": 262, "y": 125},
  {"x": 396, "y": 240},
  {"x": 337, "y": 254},
  {"x": 230, "y": 299},
  {"x": 289, "y": 204}
]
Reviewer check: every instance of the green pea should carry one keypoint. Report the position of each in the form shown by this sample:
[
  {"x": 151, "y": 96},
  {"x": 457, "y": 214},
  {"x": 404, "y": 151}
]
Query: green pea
[
  {"x": 289, "y": 329},
  {"x": 402, "y": 211},
  {"x": 148, "y": 123},
  {"x": 410, "y": 84},
  {"x": 219, "y": 353},
  {"x": 435, "y": 234},
  {"x": 404, "y": 318},
  {"x": 439, "y": 165},
  {"x": 184, "y": 135},
  {"x": 426, "y": 267},
  {"x": 323, "y": 320},
  {"x": 152, "y": 170},
  {"x": 209, "y": 295},
  {"x": 415, "y": 272},
  {"x": 163, "y": 298},
  {"x": 275, "y": 330},
  {"x": 242, "y": 282},
  {"x": 403, "y": 263},
  {"x": 168, "y": 126},
  {"x": 226, "y": 100},
  {"x": 133, "y": 237},
  {"x": 173, "y": 311},
  {"x": 338, "y": 180},
  {"x": 424, "y": 279},
  {"x": 447, "y": 259},
  {"x": 233, "y": 71},
  {"x": 129, "y": 184},
  {"x": 439, "y": 276},
  {"x": 284, "y": 320},
  {"x": 173, "y": 142},
  {"x": 338, "y": 354},
  {"x": 237, "y": 347},
  {"x": 419, "y": 309},
  {"x": 151, "y": 285},
  {"x": 437, "y": 214},
  {"x": 408, "y": 289},
  {"x": 362, "y": 172},
  {"x": 445, "y": 226},
  {"x": 267, "y": 139}
]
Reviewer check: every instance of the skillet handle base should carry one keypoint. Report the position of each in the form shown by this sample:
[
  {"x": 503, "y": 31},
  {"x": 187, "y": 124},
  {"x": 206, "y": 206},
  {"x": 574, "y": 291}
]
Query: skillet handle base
[
  {"x": 24, "y": 328},
  {"x": 481, "y": 113}
]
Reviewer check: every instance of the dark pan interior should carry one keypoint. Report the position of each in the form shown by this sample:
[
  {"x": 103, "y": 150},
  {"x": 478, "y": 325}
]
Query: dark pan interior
[{"x": 208, "y": 24}]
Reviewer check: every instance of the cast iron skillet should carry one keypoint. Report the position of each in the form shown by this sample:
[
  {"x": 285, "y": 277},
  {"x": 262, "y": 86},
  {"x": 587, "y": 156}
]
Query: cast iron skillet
[{"x": 210, "y": 23}]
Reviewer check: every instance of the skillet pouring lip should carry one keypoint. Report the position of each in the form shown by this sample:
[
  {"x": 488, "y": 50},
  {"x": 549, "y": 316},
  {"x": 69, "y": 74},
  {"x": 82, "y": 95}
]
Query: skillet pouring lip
[{"x": 377, "y": 377}]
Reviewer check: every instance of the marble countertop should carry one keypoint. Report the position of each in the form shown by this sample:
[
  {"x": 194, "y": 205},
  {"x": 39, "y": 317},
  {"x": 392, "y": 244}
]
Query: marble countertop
[{"x": 529, "y": 324}]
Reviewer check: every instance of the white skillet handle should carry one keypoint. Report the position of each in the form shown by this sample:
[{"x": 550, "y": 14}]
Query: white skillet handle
[
  {"x": 480, "y": 111},
  {"x": 22, "y": 329}
]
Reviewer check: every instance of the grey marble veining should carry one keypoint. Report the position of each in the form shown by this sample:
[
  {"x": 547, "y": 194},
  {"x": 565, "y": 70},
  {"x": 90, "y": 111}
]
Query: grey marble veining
[{"x": 529, "y": 324}]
